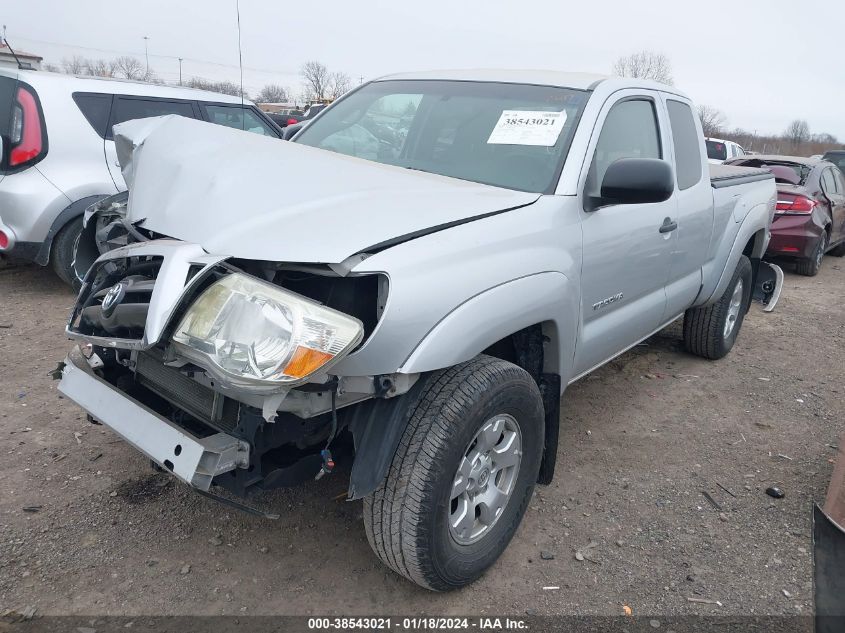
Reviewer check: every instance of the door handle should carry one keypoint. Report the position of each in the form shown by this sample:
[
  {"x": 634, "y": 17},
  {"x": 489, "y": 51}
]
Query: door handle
[{"x": 668, "y": 225}]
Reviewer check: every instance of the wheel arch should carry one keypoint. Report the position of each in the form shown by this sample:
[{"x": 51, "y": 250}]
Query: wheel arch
[{"x": 68, "y": 214}]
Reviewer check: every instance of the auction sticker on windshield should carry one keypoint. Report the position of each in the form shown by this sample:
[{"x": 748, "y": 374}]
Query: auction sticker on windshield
[{"x": 528, "y": 127}]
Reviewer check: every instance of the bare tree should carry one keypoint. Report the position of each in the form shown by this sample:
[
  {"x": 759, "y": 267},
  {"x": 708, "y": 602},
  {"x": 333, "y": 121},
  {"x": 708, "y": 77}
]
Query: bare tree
[
  {"x": 224, "y": 87},
  {"x": 99, "y": 68},
  {"x": 339, "y": 84},
  {"x": 645, "y": 65},
  {"x": 317, "y": 79},
  {"x": 272, "y": 93},
  {"x": 797, "y": 132},
  {"x": 128, "y": 67},
  {"x": 51, "y": 68},
  {"x": 712, "y": 119},
  {"x": 824, "y": 138},
  {"x": 74, "y": 65}
]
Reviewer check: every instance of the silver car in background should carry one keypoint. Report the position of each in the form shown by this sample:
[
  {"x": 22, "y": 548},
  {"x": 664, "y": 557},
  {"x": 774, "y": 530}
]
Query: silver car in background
[{"x": 58, "y": 155}]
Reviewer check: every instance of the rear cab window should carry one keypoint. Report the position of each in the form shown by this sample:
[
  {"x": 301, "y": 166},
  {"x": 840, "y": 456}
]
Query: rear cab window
[
  {"x": 716, "y": 150},
  {"x": 685, "y": 140}
]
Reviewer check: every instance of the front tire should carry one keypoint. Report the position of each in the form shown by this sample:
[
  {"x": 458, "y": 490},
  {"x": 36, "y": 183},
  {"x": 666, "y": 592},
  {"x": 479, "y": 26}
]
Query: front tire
[
  {"x": 462, "y": 475},
  {"x": 711, "y": 331}
]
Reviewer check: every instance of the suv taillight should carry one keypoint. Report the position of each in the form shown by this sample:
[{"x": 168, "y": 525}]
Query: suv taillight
[
  {"x": 26, "y": 132},
  {"x": 789, "y": 204}
]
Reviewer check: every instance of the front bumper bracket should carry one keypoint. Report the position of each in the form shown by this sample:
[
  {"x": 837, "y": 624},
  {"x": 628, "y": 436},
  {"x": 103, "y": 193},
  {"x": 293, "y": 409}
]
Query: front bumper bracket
[{"x": 194, "y": 460}]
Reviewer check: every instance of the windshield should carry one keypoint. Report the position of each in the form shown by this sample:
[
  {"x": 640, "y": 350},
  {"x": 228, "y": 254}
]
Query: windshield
[
  {"x": 716, "y": 150},
  {"x": 508, "y": 135},
  {"x": 783, "y": 170}
]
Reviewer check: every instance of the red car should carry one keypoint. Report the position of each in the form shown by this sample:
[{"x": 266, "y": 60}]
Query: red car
[{"x": 810, "y": 216}]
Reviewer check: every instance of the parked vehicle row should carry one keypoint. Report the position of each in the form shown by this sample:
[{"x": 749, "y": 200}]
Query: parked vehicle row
[
  {"x": 288, "y": 117},
  {"x": 58, "y": 153},
  {"x": 442, "y": 254},
  {"x": 810, "y": 217}
]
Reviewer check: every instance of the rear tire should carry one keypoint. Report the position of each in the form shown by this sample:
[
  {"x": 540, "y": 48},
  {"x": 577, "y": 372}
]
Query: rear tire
[
  {"x": 711, "y": 331},
  {"x": 420, "y": 521},
  {"x": 62, "y": 251},
  {"x": 810, "y": 267}
]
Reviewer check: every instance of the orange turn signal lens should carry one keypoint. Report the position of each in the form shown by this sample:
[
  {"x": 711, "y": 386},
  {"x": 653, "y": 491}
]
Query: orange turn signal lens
[{"x": 306, "y": 361}]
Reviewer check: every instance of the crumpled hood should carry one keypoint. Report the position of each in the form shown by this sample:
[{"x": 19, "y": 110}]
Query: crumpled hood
[{"x": 243, "y": 195}]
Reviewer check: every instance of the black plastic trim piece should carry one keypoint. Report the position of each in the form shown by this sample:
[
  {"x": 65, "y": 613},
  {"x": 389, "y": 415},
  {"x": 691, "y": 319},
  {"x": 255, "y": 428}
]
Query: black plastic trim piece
[{"x": 550, "y": 390}]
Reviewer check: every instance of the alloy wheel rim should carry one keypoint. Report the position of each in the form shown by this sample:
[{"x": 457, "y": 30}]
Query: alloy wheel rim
[
  {"x": 733, "y": 308},
  {"x": 485, "y": 479}
]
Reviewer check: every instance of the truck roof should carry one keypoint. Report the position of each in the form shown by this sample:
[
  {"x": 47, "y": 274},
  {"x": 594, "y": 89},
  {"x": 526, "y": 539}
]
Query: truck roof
[
  {"x": 111, "y": 85},
  {"x": 576, "y": 80}
]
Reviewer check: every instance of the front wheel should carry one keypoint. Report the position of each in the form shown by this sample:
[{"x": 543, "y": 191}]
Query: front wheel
[
  {"x": 462, "y": 476},
  {"x": 711, "y": 331}
]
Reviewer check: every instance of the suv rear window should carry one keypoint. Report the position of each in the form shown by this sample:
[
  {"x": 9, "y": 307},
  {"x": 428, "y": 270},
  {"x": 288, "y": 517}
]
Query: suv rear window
[
  {"x": 240, "y": 118},
  {"x": 129, "y": 108},
  {"x": 96, "y": 109},
  {"x": 716, "y": 150},
  {"x": 7, "y": 97}
]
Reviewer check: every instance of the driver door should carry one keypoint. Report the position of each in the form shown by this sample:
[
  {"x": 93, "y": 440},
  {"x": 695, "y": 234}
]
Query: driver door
[{"x": 627, "y": 247}]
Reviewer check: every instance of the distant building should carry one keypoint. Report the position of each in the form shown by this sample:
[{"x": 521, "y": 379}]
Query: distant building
[
  {"x": 277, "y": 107},
  {"x": 7, "y": 60}
]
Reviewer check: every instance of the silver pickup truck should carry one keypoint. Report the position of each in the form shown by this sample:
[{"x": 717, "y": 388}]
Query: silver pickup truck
[{"x": 411, "y": 283}]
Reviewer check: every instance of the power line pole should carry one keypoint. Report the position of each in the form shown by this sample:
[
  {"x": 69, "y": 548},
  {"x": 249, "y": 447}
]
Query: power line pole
[
  {"x": 361, "y": 79},
  {"x": 147, "y": 54},
  {"x": 180, "y": 71}
]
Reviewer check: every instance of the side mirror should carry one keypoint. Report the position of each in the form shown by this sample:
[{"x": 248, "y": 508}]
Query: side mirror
[
  {"x": 290, "y": 130},
  {"x": 636, "y": 181}
]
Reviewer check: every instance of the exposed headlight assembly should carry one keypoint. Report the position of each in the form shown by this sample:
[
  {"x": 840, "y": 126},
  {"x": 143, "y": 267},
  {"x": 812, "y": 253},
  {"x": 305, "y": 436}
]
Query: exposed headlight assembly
[{"x": 260, "y": 335}]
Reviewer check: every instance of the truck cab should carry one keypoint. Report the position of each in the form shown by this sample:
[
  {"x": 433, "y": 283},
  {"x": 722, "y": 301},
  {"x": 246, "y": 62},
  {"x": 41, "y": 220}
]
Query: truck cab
[{"x": 442, "y": 255}]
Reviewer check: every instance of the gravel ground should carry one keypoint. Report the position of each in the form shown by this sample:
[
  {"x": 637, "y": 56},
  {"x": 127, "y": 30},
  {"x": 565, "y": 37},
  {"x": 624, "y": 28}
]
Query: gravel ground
[{"x": 626, "y": 521}]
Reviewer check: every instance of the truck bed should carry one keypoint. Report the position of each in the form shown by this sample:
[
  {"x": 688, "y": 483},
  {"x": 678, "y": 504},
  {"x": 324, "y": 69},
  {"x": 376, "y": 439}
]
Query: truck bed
[{"x": 728, "y": 175}]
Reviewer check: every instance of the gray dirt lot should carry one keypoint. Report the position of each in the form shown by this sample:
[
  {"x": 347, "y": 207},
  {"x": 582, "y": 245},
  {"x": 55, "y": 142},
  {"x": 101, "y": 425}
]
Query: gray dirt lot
[{"x": 641, "y": 439}]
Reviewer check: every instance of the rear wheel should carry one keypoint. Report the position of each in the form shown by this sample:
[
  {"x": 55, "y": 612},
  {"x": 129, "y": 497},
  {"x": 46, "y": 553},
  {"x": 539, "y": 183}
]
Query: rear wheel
[
  {"x": 462, "y": 476},
  {"x": 711, "y": 331},
  {"x": 810, "y": 267},
  {"x": 62, "y": 250}
]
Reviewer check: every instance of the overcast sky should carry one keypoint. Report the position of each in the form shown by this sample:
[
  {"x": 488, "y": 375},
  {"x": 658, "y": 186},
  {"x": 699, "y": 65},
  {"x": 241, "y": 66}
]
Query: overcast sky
[{"x": 763, "y": 63}]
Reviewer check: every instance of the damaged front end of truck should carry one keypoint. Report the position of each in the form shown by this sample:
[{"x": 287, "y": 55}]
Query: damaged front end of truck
[
  {"x": 219, "y": 303},
  {"x": 217, "y": 372}
]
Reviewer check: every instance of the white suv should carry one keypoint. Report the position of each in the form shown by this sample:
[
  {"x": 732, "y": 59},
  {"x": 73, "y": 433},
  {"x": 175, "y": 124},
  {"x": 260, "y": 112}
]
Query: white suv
[
  {"x": 720, "y": 150},
  {"x": 57, "y": 156}
]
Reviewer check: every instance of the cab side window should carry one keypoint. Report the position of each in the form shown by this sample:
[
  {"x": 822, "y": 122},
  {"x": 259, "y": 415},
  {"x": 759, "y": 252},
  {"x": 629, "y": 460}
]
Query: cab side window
[{"x": 629, "y": 131}]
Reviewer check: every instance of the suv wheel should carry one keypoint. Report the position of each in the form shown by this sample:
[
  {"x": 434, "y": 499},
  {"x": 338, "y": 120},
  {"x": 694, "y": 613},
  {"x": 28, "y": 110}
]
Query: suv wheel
[
  {"x": 711, "y": 331},
  {"x": 62, "y": 251},
  {"x": 810, "y": 267},
  {"x": 462, "y": 476}
]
